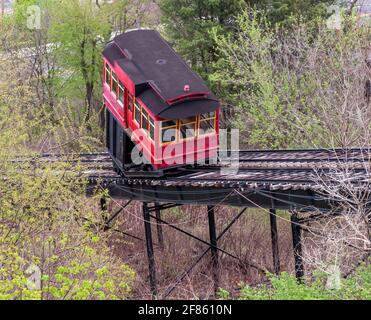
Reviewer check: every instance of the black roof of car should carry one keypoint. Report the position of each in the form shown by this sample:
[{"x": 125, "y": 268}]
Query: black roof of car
[{"x": 172, "y": 89}]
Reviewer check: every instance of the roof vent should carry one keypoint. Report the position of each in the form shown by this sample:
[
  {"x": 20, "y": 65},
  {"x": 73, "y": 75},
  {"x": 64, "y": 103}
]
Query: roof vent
[
  {"x": 128, "y": 54},
  {"x": 161, "y": 61},
  {"x": 187, "y": 88}
]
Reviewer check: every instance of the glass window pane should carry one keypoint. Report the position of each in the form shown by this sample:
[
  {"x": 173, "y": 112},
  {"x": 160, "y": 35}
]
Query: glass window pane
[
  {"x": 188, "y": 130},
  {"x": 152, "y": 131},
  {"x": 188, "y": 120},
  {"x": 207, "y": 115},
  {"x": 114, "y": 83},
  {"x": 108, "y": 75},
  {"x": 168, "y": 123},
  {"x": 168, "y": 135},
  {"x": 151, "y": 128},
  {"x": 145, "y": 119},
  {"x": 137, "y": 113},
  {"x": 121, "y": 92},
  {"x": 130, "y": 102},
  {"x": 207, "y": 126}
]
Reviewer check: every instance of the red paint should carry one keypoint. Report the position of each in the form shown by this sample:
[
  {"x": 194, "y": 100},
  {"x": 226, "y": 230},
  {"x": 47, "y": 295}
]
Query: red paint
[{"x": 182, "y": 152}]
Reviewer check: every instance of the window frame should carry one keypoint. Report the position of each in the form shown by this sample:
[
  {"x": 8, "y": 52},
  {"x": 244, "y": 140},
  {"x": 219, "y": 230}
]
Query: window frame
[
  {"x": 131, "y": 102},
  {"x": 115, "y": 79},
  {"x": 151, "y": 125},
  {"x": 181, "y": 124},
  {"x": 143, "y": 116},
  {"x": 136, "y": 107},
  {"x": 121, "y": 88},
  {"x": 176, "y": 126},
  {"x": 109, "y": 70},
  {"x": 205, "y": 120}
]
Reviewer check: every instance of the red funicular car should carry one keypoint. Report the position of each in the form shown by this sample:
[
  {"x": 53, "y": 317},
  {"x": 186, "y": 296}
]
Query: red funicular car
[{"x": 157, "y": 108}]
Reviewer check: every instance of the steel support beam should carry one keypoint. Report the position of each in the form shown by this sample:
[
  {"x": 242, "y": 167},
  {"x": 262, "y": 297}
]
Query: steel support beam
[
  {"x": 122, "y": 208},
  {"x": 150, "y": 251},
  {"x": 103, "y": 204},
  {"x": 187, "y": 272},
  {"x": 160, "y": 235},
  {"x": 104, "y": 209},
  {"x": 297, "y": 246},
  {"x": 274, "y": 237},
  {"x": 213, "y": 248}
]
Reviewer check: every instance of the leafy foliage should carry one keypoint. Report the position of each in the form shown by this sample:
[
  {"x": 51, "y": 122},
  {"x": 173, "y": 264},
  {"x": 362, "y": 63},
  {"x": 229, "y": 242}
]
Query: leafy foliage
[
  {"x": 286, "y": 287},
  {"x": 188, "y": 25},
  {"x": 289, "y": 12},
  {"x": 293, "y": 89},
  {"x": 47, "y": 224}
]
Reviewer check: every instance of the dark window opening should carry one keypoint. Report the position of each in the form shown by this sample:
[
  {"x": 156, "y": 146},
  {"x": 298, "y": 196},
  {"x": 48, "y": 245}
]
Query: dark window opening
[
  {"x": 137, "y": 114},
  {"x": 108, "y": 75},
  {"x": 130, "y": 102},
  {"x": 114, "y": 83},
  {"x": 168, "y": 123},
  {"x": 207, "y": 123},
  {"x": 168, "y": 135},
  {"x": 145, "y": 121},
  {"x": 187, "y": 127},
  {"x": 152, "y": 128},
  {"x": 210, "y": 115},
  {"x": 121, "y": 96},
  {"x": 168, "y": 131}
]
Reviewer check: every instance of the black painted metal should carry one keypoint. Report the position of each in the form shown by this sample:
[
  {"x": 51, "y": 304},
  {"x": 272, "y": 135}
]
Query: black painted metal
[
  {"x": 158, "y": 206},
  {"x": 160, "y": 234},
  {"x": 150, "y": 251},
  {"x": 297, "y": 246},
  {"x": 304, "y": 200},
  {"x": 115, "y": 215},
  {"x": 103, "y": 204},
  {"x": 274, "y": 237},
  {"x": 194, "y": 264},
  {"x": 103, "y": 207},
  {"x": 199, "y": 239},
  {"x": 213, "y": 248},
  {"x": 108, "y": 227}
]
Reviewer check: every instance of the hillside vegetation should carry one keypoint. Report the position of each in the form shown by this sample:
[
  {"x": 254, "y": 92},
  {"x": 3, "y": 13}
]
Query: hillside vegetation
[{"x": 284, "y": 79}]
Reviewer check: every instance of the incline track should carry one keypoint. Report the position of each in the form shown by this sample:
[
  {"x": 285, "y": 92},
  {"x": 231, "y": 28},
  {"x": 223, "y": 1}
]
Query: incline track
[
  {"x": 275, "y": 169},
  {"x": 280, "y": 169},
  {"x": 284, "y": 178}
]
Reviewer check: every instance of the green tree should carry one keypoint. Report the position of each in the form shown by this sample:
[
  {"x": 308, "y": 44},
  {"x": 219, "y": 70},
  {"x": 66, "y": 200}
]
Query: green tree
[
  {"x": 285, "y": 287},
  {"x": 80, "y": 27},
  {"x": 47, "y": 224},
  {"x": 66, "y": 47},
  {"x": 288, "y": 12},
  {"x": 188, "y": 25},
  {"x": 295, "y": 89}
]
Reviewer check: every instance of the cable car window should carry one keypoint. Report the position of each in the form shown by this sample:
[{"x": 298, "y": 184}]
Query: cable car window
[
  {"x": 130, "y": 102},
  {"x": 108, "y": 74},
  {"x": 207, "y": 123},
  {"x": 121, "y": 92},
  {"x": 137, "y": 113},
  {"x": 187, "y": 127},
  {"x": 205, "y": 116},
  {"x": 168, "y": 123},
  {"x": 114, "y": 82},
  {"x": 145, "y": 121},
  {"x": 168, "y": 131},
  {"x": 151, "y": 128}
]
